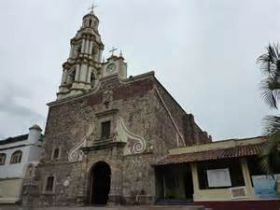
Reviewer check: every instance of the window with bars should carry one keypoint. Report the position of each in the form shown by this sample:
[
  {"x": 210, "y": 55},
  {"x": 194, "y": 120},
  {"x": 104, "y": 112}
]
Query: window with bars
[{"x": 105, "y": 129}]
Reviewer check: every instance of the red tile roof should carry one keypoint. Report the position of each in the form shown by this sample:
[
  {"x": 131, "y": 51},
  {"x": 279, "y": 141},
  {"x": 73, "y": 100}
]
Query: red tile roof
[{"x": 234, "y": 152}]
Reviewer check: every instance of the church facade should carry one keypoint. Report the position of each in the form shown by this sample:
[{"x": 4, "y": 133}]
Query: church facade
[{"x": 106, "y": 130}]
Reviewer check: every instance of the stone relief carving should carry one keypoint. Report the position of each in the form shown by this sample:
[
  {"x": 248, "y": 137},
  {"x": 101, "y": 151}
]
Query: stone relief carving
[
  {"x": 107, "y": 97},
  {"x": 135, "y": 144},
  {"x": 76, "y": 154}
]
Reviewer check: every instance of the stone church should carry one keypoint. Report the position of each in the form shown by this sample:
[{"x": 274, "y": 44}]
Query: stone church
[{"x": 105, "y": 131}]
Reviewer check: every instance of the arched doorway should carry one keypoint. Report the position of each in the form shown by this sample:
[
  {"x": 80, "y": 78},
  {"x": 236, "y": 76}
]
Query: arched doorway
[{"x": 100, "y": 183}]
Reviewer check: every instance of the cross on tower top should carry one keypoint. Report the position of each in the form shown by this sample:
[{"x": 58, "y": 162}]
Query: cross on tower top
[
  {"x": 113, "y": 50},
  {"x": 91, "y": 8}
]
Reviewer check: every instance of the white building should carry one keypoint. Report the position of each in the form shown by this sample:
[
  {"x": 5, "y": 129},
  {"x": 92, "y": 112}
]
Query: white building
[{"x": 18, "y": 157}]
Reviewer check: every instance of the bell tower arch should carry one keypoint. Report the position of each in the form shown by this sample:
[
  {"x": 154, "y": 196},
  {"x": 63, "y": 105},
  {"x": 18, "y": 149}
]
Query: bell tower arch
[{"x": 84, "y": 62}]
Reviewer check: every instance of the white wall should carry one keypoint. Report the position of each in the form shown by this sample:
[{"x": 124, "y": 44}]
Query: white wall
[
  {"x": 11, "y": 175},
  {"x": 14, "y": 170},
  {"x": 31, "y": 152},
  {"x": 10, "y": 190}
]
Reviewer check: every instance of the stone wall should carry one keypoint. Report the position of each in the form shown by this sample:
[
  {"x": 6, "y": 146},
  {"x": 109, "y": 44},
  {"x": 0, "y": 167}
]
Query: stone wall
[
  {"x": 145, "y": 122},
  {"x": 69, "y": 122},
  {"x": 187, "y": 132},
  {"x": 193, "y": 133}
]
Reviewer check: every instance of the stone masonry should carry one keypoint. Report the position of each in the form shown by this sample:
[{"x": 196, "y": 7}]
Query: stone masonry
[{"x": 144, "y": 123}]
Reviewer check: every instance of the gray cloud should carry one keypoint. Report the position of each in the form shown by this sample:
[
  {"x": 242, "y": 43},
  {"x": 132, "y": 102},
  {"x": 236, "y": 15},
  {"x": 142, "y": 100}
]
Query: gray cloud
[
  {"x": 203, "y": 51},
  {"x": 11, "y": 97},
  {"x": 14, "y": 115},
  {"x": 9, "y": 105}
]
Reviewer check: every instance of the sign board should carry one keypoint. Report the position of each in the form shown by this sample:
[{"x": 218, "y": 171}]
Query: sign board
[
  {"x": 267, "y": 186},
  {"x": 238, "y": 192},
  {"x": 218, "y": 177}
]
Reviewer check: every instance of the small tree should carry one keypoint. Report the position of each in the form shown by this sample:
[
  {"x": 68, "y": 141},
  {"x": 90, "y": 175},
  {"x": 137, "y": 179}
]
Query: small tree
[{"x": 270, "y": 66}]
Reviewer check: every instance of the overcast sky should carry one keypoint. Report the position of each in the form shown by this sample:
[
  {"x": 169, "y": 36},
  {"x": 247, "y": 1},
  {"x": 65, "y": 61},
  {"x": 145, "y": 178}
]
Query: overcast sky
[{"x": 203, "y": 51}]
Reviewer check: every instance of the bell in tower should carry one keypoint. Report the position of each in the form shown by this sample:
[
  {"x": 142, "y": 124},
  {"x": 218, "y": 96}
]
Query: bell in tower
[{"x": 82, "y": 70}]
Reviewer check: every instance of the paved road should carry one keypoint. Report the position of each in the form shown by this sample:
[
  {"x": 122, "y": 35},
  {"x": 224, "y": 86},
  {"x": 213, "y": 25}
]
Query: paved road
[{"x": 107, "y": 208}]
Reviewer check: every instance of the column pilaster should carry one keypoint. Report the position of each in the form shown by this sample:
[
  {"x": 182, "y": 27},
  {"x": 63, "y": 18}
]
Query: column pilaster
[
  {"x": 87, "y": 46},
  {"x": 77, "y": 72},
  {"x": 90, "y": 47},
  {"x": 247, "y": 178},
  {"x": 195, "y": 180},
  {"x": 115, "y": 194},
  {"x": 64, "y": 77},
  {"x": 71, "y": 51},
  {"x": 83, "y": 46}
]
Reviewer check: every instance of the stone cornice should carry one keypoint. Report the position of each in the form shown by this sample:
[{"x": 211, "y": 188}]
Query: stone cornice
[
  {"x": 108, "y": 112},
  {"x": 81, "y": 60},
  {"x": 104, "y": 145},
  {"x": 90, "y": 37},
  {"x": 147, "y": 75},
  {"x": 81, "y": 82},
  {"x": 138, "y": 77}
]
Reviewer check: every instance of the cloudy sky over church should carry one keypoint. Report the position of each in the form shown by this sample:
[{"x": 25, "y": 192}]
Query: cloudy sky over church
[{"x": 204, "y": 52}]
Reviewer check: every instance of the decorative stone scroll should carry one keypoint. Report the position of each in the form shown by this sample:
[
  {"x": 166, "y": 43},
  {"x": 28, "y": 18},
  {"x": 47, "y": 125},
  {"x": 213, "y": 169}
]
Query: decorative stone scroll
[
  {"x": 107, "y": 96},
  {"x": 135, "y": 144},
  {"x": 76, "y": 154}
]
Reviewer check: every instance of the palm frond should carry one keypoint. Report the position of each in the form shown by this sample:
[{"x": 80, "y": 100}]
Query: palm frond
[
  {"x": 270, "y": 66},
  {"x": 272, "y": 125},
  {"x": 270, "y": 158},
  {"x": 269, "y": 62},
  {"x": 271, "y": 91}
]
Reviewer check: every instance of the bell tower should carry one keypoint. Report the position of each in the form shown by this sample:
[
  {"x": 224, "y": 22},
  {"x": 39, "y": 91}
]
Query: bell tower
[{"x": 82, "y": 70}]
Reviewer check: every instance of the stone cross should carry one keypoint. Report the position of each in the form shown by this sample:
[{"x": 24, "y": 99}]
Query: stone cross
[
  {"x": 92, "y": 7},
  {"x": 113, "y": 50}
]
